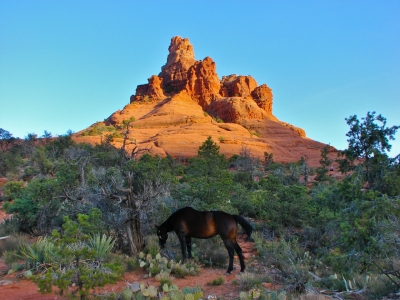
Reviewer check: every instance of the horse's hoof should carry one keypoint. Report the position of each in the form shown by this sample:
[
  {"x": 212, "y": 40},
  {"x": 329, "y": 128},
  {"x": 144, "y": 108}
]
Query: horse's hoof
[{"x": 227, "y": 273}]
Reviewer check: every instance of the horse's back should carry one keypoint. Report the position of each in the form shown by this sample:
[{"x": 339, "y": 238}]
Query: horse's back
[{"x": 205, "y": 224}]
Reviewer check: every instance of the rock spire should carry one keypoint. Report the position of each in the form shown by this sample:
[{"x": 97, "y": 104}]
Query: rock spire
[{"x": 199, "y": 79}]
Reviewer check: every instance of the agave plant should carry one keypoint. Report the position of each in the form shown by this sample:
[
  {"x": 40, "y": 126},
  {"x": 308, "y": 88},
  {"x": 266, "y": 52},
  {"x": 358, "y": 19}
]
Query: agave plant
[{"x": 101, "y": 244}]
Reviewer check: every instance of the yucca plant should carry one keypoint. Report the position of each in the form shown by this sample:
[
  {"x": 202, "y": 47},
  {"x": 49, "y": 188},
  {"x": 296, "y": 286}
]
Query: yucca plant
[
  {"x": 40, "y": 253},
  {"x": 101, "y": 244}
]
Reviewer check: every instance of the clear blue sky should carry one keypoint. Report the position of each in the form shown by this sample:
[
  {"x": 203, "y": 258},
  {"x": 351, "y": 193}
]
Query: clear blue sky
[{"x": 67, "y": 64}]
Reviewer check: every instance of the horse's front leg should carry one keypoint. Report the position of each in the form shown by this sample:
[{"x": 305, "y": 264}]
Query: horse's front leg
[
  {"x": 182, "y": 239},
  {"x": 189, "y": 245}
]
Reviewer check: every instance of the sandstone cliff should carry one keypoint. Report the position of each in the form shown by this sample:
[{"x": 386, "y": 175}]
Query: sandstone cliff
[{"x": 187, "y": 102}]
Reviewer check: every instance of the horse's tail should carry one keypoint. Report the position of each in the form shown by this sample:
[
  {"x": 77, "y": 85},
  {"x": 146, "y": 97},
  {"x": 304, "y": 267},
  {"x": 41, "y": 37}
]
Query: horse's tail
[{"x": 245, "y": 225}]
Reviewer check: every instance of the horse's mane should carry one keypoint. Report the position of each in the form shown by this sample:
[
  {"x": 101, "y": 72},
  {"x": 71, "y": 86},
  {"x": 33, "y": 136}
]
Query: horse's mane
[{"x": 169, "y": 222}]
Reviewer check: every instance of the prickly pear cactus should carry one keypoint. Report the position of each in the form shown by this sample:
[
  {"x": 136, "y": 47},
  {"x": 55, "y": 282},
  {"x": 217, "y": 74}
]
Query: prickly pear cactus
[
  {"x": 152, "y": 291},
  {"x": 176, "y": 295},
  {"x": 146, "y": 293},
  {"x": 126, "y": 294},
  {"x": 187, "y": 290},
  {"x": 142, "y": 263},
  {"x": 139, "y": 296},
  {"x": 165, "y": 288},
  {"x": 243, "y": 296},
  {"x": 189, "y": 297},
  {"x": 198, "y": 295}
]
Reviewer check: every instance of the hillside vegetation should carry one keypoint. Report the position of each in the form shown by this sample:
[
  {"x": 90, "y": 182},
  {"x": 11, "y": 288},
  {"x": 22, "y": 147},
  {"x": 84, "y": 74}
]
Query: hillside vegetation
[{"x": 91, "y": 206}]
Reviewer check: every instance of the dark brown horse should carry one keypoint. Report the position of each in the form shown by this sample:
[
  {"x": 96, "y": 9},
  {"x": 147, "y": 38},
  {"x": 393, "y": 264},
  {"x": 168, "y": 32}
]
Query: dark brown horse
[{"x": 188, "y": 222}]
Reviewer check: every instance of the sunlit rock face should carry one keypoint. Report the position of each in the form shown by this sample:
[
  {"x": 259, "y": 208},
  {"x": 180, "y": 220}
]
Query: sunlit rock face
[{"x": 187, "y": 101}]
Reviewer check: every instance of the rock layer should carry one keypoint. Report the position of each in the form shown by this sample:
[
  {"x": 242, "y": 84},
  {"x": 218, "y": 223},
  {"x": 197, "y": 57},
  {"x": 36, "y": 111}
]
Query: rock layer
[{"x": 186, "y": 102}]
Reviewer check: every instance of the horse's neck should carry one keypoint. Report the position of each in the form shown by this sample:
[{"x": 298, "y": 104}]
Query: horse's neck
[{"x": 169, "y": 223}]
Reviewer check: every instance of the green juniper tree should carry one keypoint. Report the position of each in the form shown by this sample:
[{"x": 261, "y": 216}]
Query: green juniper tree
[
  {"x": 325, "y": 162},
  {"x": 367, "y": 139}
]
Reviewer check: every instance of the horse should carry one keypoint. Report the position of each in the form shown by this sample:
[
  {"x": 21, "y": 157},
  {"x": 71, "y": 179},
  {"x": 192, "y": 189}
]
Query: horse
[{"x": 188, "y": 222}]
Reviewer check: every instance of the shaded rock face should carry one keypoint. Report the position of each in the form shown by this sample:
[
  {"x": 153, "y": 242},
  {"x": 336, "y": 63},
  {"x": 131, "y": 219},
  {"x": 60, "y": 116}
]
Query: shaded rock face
[{"x": 203, "y": 82}]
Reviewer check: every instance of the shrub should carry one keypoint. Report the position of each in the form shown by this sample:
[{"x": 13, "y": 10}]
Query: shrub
[
  {"x": 27, "y": 207},
  {"x": 249, "y": 280},
  {"x": 98, "y": 129},
  {"x": 210, "y": 252},
  {"x": 290, "y": 263},
  {"x": 13, "y": 189},
  {"x": 40, "y": 254},
  {"x": 218, "y": 281},
  {"x": 75, "y": 262},
  {"x": 131, "y": 263},
  {"x": 9, "y": 226},
  {"x": 152, "y": 245}
]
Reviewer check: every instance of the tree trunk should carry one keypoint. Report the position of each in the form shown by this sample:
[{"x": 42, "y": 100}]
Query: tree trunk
[
  {"x": 132, "y": 245},
  {"x": 135, "y": 236}
]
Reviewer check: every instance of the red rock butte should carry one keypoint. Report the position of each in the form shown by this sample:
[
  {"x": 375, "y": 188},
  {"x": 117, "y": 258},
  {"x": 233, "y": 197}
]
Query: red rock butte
[{"x": 186, "y": 102}]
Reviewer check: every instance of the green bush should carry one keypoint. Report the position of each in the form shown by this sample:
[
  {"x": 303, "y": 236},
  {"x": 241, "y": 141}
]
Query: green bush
[
  {"x": 291, "y": 263},
  {"x": 76, "y": 262},
  {"x": 98, "y": 129},
  {"x": 210, "y": 252},
  {"x": 218, "y": 281},
  {"x": 38, "y": 193}
]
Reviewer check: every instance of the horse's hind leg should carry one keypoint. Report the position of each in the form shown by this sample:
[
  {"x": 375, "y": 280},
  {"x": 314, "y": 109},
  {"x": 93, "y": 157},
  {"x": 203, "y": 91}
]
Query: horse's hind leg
[
  {"x": 229, "y": 246},
  {"x": 240, "y": 254}
]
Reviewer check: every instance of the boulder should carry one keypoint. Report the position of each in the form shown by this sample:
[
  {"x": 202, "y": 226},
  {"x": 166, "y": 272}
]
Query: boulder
[
  {"x": 153, "y": 90},
  {"x": 237, "y": 86},
  {"x": 263, "y": 97}
]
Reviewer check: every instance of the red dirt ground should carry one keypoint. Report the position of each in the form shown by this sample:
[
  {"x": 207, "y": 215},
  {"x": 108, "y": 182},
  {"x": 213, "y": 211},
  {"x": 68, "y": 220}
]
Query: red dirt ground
[{"x": 14, "y": 286}]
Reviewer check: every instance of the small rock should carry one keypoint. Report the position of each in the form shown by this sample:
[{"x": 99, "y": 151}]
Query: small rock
[
  {"x": 5, "y": 282},
  {"x": 134, "y": 286},
  {"x": 28, "y": 274}
]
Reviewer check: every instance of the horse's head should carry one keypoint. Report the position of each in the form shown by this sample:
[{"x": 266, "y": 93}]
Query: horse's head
[{"x": 162, "y": 235}]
